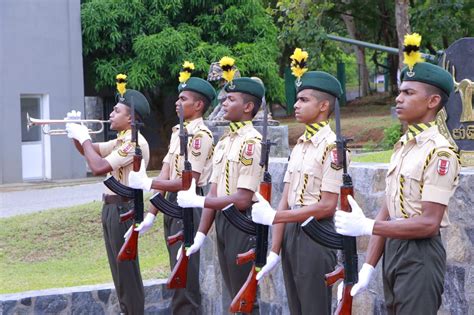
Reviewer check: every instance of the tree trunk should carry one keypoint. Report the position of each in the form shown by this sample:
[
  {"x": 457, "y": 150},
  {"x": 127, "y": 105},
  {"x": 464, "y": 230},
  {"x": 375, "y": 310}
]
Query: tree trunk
[
  {"x": 359, "y": 51},
  {"x": 402, "y": 22}
]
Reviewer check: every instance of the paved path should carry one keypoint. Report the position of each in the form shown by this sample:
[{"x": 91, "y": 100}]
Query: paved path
[{"x": 22, "y": 201}]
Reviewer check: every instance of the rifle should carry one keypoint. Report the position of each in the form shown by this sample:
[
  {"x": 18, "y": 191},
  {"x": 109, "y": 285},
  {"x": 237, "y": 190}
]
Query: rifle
[
  {"x": 245, "y": 298},
  {"x": 178, "y": 277},
  {"x": 326, "y": 236},
  {"x": 130, "y": 247}
]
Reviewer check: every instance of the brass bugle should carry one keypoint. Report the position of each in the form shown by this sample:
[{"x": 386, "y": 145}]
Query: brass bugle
[{"x": 45, "y": 124}]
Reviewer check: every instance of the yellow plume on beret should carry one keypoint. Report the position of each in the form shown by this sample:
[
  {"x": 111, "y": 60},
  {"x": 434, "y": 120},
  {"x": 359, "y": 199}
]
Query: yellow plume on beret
[
  {"x": 185, "y": 74},
  {"x": 411, "y": 50},
  {"x": 121, "y": 83},
  {"x": 228, "y": 69},
  {"x": 298, "y": 62}
]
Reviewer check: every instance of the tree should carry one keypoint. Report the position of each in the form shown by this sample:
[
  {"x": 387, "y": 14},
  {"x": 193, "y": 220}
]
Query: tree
[{"x": 150, "y": 39}]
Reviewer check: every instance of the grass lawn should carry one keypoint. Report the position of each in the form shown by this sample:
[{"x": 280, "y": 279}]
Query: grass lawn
[
  {"x": 64, "y": 247},
  {"x": 376, "y": 157}
]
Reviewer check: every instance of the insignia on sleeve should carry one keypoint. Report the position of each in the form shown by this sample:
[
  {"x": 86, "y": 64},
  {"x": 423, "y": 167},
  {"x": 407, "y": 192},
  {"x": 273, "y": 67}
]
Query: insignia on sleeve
[
  {"x": 197, "y": 143},
  {"x": 444, "y": 153},
  {"x": 250, "y": 148},
  {"x": 443, "y": 166},
  {"x": 245, "y": 161},
  {"x": 335, "y": 161},
  {"x": 125, "y": 149}
]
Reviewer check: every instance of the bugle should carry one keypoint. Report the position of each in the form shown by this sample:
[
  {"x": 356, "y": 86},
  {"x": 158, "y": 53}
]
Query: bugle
[{"x": 45, "y": 124}]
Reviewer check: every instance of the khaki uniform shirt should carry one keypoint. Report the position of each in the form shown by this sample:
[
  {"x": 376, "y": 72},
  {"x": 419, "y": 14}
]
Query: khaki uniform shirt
[
  {"x": 424, "y": 169},
  {"x": 119, "y": 153},
  {"x": 236, "y": 161},
  {"x": 312, "y": 168},
  {"x": 200, "y": 149}
]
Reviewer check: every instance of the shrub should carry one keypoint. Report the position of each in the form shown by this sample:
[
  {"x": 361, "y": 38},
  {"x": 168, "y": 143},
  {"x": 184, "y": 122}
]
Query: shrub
[{"x": 391, "y": 135}]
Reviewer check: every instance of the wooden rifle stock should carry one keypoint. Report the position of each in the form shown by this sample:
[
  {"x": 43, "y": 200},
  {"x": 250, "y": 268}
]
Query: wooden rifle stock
[
  {"x": 130, "y": 247},
  {"x": 127, "y": 215},
  {"x": 179, "y": 275},
  {"x": 266, "y": 190},
  {"x": 345, "y": 306},
  {"x": 245, "y": 298},
  {"x": 333, "y": 277},
  {"x": 246, "y": 257}
]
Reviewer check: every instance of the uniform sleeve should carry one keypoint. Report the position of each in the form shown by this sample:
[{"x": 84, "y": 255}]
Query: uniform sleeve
[
  {"x": 105, "y": 148},
  {"x": 440, "y": 177},
  {"x": 332, "y": 173},
  {"x": 250, "y": 171},
  {"x": 199, "y": 151},
  {"x": 121, "y": 156}
]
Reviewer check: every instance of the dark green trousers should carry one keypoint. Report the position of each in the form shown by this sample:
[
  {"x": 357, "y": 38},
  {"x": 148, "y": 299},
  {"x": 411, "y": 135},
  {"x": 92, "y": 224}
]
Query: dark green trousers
[
  {"x": 413, "y": 275},
  {"x": 187, "y": 300},
  {"x": 305, "y": 263},
  {"x": 126, "y": 275},
  {"x": 231, "y": 242}
]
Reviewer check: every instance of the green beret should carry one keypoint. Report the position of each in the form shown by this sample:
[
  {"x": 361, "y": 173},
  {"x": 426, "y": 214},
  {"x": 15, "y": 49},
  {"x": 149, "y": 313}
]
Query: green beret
[
  {"x": 247, "y": 86},
  {"x": 321, "y": 81},
  {"x": 139, "y": 101},
  {"x": 430, "y": 74},
  {"x": 200, "y": 86}
]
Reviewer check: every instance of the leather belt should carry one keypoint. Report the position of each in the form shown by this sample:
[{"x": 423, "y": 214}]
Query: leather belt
[{"x": 114, "y": 199}]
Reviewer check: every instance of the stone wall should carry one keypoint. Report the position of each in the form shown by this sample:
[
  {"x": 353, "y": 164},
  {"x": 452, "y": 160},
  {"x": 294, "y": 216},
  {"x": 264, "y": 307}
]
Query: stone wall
[
  {"x": 369, "y": 183},
  {"x": 84, "y": 300}
]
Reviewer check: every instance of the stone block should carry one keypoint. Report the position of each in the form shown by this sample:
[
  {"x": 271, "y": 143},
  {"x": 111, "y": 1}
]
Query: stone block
[
  {"x": 454, "y": 299},
  {"x": 26, "y": 301},
  {"x": 104, "y": 295},
  {"x": 156, "y": 310},
  {"x": 457, "y": 244},
  {"x": 50, "y": 304},
  {"x": 83, "y": 303},
  {"x": 7, "y": 307}
]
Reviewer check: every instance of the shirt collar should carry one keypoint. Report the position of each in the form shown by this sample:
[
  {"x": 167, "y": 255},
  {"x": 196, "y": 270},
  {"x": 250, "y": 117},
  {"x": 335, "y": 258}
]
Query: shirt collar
[
  {"x": 190, "y": 125},
  {"x": 238, "y": 127},
  {"x": 420, "y": 133},
  {"x": 318, "y": 136}
]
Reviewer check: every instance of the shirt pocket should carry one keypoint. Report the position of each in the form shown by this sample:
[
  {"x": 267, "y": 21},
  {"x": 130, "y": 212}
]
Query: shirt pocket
[
  {"x": 218, "y": 156},
  {"x": 412, "y": 182},
  {"x": 313, "y": 175}
]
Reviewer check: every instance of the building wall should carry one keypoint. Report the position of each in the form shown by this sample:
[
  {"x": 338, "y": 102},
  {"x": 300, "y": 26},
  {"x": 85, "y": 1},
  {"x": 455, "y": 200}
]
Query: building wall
[{"x": 41, "y": 53}]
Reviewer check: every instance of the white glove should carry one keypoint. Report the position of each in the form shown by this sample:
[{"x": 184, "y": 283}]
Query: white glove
[
  {"x": 73, "y": 115},
  {"x": 365, "y": 274},
  {"x": 262, "y": 211},
  {"x": 179, "y": 253},
  {"x": 146, "y": 224},
  {"x": 272, "y": 260},
  {"x": 189, "y": 198},
  {"x": 140, "y": 180},
  {"x": 77, "y": 132},
  {"x": 198, "y": 241},
  {"x": 353, "y": 223}
]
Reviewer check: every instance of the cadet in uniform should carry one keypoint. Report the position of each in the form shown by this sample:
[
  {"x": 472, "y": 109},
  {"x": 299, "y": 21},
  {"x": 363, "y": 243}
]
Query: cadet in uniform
[
  {"x": 195, "y": 97},
  {"x": 312, "y": 185},
  {"x": 235, "y": 178},
  {"x": 421, "y": 178},
  {"x": 116, "y": 158}
]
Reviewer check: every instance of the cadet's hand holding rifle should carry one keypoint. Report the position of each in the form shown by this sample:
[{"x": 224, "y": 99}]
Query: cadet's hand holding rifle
[
  {"x": 140, "y": 180},
  {"x": 353, "y": 223},
  {"x": 189, "y": 198}
]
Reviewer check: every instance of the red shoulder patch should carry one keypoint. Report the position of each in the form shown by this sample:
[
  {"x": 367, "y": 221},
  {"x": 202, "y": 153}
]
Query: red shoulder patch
[
  {"x": 250, "y": 149},
  {"x": 334, "y": 158},
  {"x": 443, "y": 167},
  {"x": 197, "y": 143}
]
